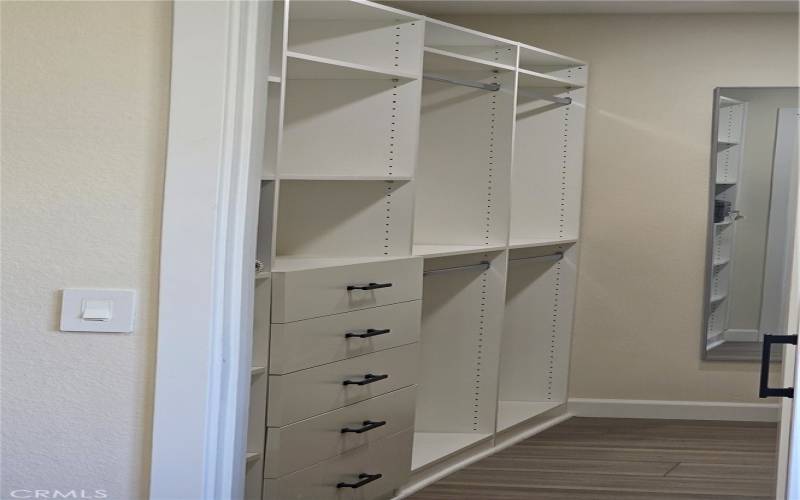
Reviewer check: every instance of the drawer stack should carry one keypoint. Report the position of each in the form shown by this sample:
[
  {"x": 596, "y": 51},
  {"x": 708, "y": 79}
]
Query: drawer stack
[{"x": 342, "y": 380}]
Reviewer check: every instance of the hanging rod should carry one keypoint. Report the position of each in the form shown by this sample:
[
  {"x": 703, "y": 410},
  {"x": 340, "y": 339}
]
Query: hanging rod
[
  {"x": 545, "y": 97},
  {"x": 554, "y": 257},
  {"x": 491, "y": 87},
  {"x": 484, "y": 264}
]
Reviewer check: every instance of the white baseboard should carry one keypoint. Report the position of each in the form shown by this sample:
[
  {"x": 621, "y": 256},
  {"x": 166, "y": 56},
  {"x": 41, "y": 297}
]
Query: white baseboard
[
  {"x": 740, "y": 335},
  {"x": 686, "y": 410}
]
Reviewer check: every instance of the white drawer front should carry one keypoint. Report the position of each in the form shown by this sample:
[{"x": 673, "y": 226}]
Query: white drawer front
[
  {"x": 312, "y": 342},
  {"x": 390, "y": 457},
  {"x": 313, "y": 440},
  {"x": 320, "y": 292},
  {"x": 310, "y": 392}
]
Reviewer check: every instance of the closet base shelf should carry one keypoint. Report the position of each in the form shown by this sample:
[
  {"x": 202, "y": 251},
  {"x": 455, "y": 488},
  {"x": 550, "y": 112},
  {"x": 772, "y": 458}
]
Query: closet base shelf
[
  {"x": 511, "y": 413},
  {"x": 430, "y": 447}
]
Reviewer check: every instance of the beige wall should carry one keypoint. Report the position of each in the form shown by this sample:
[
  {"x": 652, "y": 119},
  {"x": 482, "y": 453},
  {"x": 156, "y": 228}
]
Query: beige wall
[
  {"x": 637, "y": 330},
  {"x": 84, "y": 114}
]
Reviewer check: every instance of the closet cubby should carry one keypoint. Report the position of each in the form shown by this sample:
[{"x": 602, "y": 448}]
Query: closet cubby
[
  {"x": 344, "y": 219},
  {"x": 368, "y": 35},
  {"x": 548, "y": 164},
  {"x": 462, "y": 177},
  {"x": 347, "y": 122},
  {"x": 462, "y": 311},
  {"x": 441, "y": 37},
  {"x": 537, "y": 326},
  {"x": 533, "y": 60}
]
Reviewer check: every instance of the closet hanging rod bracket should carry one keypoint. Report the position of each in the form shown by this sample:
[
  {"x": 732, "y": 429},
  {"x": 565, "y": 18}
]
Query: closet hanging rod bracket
[
  {"x": 484, "y": 264},
  {"x": 491, "y": 87},
  {"x": 553, "y": 257}
]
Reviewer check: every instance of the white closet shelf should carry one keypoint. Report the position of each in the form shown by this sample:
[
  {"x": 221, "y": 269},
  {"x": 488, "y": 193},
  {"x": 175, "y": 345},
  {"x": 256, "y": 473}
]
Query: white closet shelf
[
  {"x": 534, "y": 80},
  {"x": 432, "y": 446},
  {"x": 726, "y": 183},
  {"x": 727, "y": 144},
  {"x": 303, "y": 177},
  {"x": 263, "y": 275},
  {"x": 510, "y": 413},
  {"x": 286, "y": 263},
  {"x": 438, "y": 60},
  {"x": 273, "y": 79},
  {"x": 537, "y": 59},
  {"x": 540, "y": 242},
  {"x": 720, "y": 262},
  {"x": 716, "y": 299},
  {"x": 448, "y": 250},
  {"x": 307, "y": 67},
  {"x": 257, "y": 370},
  {"x": 726, "y": 222},
  {"x": 353, "y": 10},
  {"x": 252, "y": 457}
]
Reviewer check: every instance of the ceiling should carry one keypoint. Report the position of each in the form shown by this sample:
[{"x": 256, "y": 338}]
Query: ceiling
[{"x": 435, "y": 8}]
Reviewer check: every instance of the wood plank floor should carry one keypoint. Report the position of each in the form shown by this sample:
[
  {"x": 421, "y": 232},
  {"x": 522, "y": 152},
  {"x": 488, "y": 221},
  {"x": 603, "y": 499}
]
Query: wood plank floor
[{"x": 624, "y": 459}]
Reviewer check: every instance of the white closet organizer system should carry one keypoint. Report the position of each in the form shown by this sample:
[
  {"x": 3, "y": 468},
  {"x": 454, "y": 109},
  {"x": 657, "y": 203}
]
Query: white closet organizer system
[
  {"x": 727, "y": 151},
  {"x": 416, "y": 248}
]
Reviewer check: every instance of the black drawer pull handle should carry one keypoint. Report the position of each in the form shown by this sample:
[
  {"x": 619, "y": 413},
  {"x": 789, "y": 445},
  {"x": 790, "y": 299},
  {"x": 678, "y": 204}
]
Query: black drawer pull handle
[
  {"x": 371, "y": 286},
  {"x": 371, "y": 332},
  {"x": 365, "y": 479},
  {"x": 368, "y": 425},
  {"x": 764, "y": 391},
  {"x": 368, "y": 379}
]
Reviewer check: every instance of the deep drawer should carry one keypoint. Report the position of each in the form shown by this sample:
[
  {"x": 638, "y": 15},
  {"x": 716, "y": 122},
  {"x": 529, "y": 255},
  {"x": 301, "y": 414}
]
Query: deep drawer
[
  {"x": 307, "y": 393},
  {"x": 312, "y": 342},
  {"x": 310, "y": 293},
  {"x": 302, "y": 444},
  {"x": 390, "y": 457}
]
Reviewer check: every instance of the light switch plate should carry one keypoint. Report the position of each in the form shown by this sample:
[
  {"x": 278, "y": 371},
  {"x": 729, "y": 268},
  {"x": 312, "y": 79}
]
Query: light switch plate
[{"x": 75, "y": 300}]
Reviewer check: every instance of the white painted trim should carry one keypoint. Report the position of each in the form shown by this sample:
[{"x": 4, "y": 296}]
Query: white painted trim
[
  {"x": 688, "y": 410},
  {"x": 740, "y": 335},
  {"x": 472, "y": 455},
  {"x": 208, "y": 252}
]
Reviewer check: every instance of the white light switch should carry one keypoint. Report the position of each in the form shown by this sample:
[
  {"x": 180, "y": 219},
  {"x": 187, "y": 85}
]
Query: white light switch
[{"x": 97, "y": 310}]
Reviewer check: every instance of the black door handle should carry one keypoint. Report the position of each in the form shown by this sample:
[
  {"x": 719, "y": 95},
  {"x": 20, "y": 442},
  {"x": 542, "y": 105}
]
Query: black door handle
[
  {"x": 365, "y": 479},
  {"x": 764, "y": 391},
  {"x": 371, "y": 286},
  {"x": 371, "y": 332},
  {"x": 368, "y": 379},
  {"x": 368, "y": 425}
]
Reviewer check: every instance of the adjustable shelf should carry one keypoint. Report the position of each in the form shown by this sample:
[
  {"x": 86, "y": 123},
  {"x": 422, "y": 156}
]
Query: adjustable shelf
[
  {"x": 720, "y": 262},
  {"x": 716, "y": 299},
  {"x": 308, "y": 67},
  {"x": 724, "y": 102},
  {"x": 285, "y": 263},
  {"x": 545, "y": 61},
  {"x": 310, "y": 177},
  {"x": 430, "y": 447},
  {"x": 541, "y": 242},
  {"x": 533, "y": 80},
  {"x": 443, "y": 60},
  {"x": 448, "y": 250}
]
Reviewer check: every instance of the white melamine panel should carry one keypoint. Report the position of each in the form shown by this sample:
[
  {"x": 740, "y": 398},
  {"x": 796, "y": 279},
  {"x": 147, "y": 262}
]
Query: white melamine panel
[
  {"x": 313, "y": 440},
  {"x": 320, "y": 292},
  {"x": 460, "y": 342},
  {"x": 261, "y": 322},
  {"x": 272, "y": 130},
  {"x": 310, "y": 392},
  {"x": 347, "y": 10},
  {"x": 277, "y": 46},
  {"x": 548, "y": 166},
  {"x": 537, "y": 327},
  {"x": 389, "y": 457},
  {"x": 253, "y": 477},
  {"x": 723, "y": 241},
  {"x": 311, "y": 342},
  {"x": 266, "y": 211},
  {"x": 731, "y": 122},
  {"x": 430, "y": 447},
  {"x": 380, "y": 44},
  {"x": 451, "y": 38},
  {"x": 544, "y": 61},
  {"x": 344, "y": 218},
  {"x": 462, "y": 177},
  {"x": 532, "y": 81},
  {"x": 355, "y": 128},
  {"x": 728, "y": 161}
]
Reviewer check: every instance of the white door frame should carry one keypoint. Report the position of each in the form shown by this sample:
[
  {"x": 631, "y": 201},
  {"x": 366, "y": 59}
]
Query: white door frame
[
  {"x": 788, "y": 486},
  {"x": 214, "y": 163}
]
